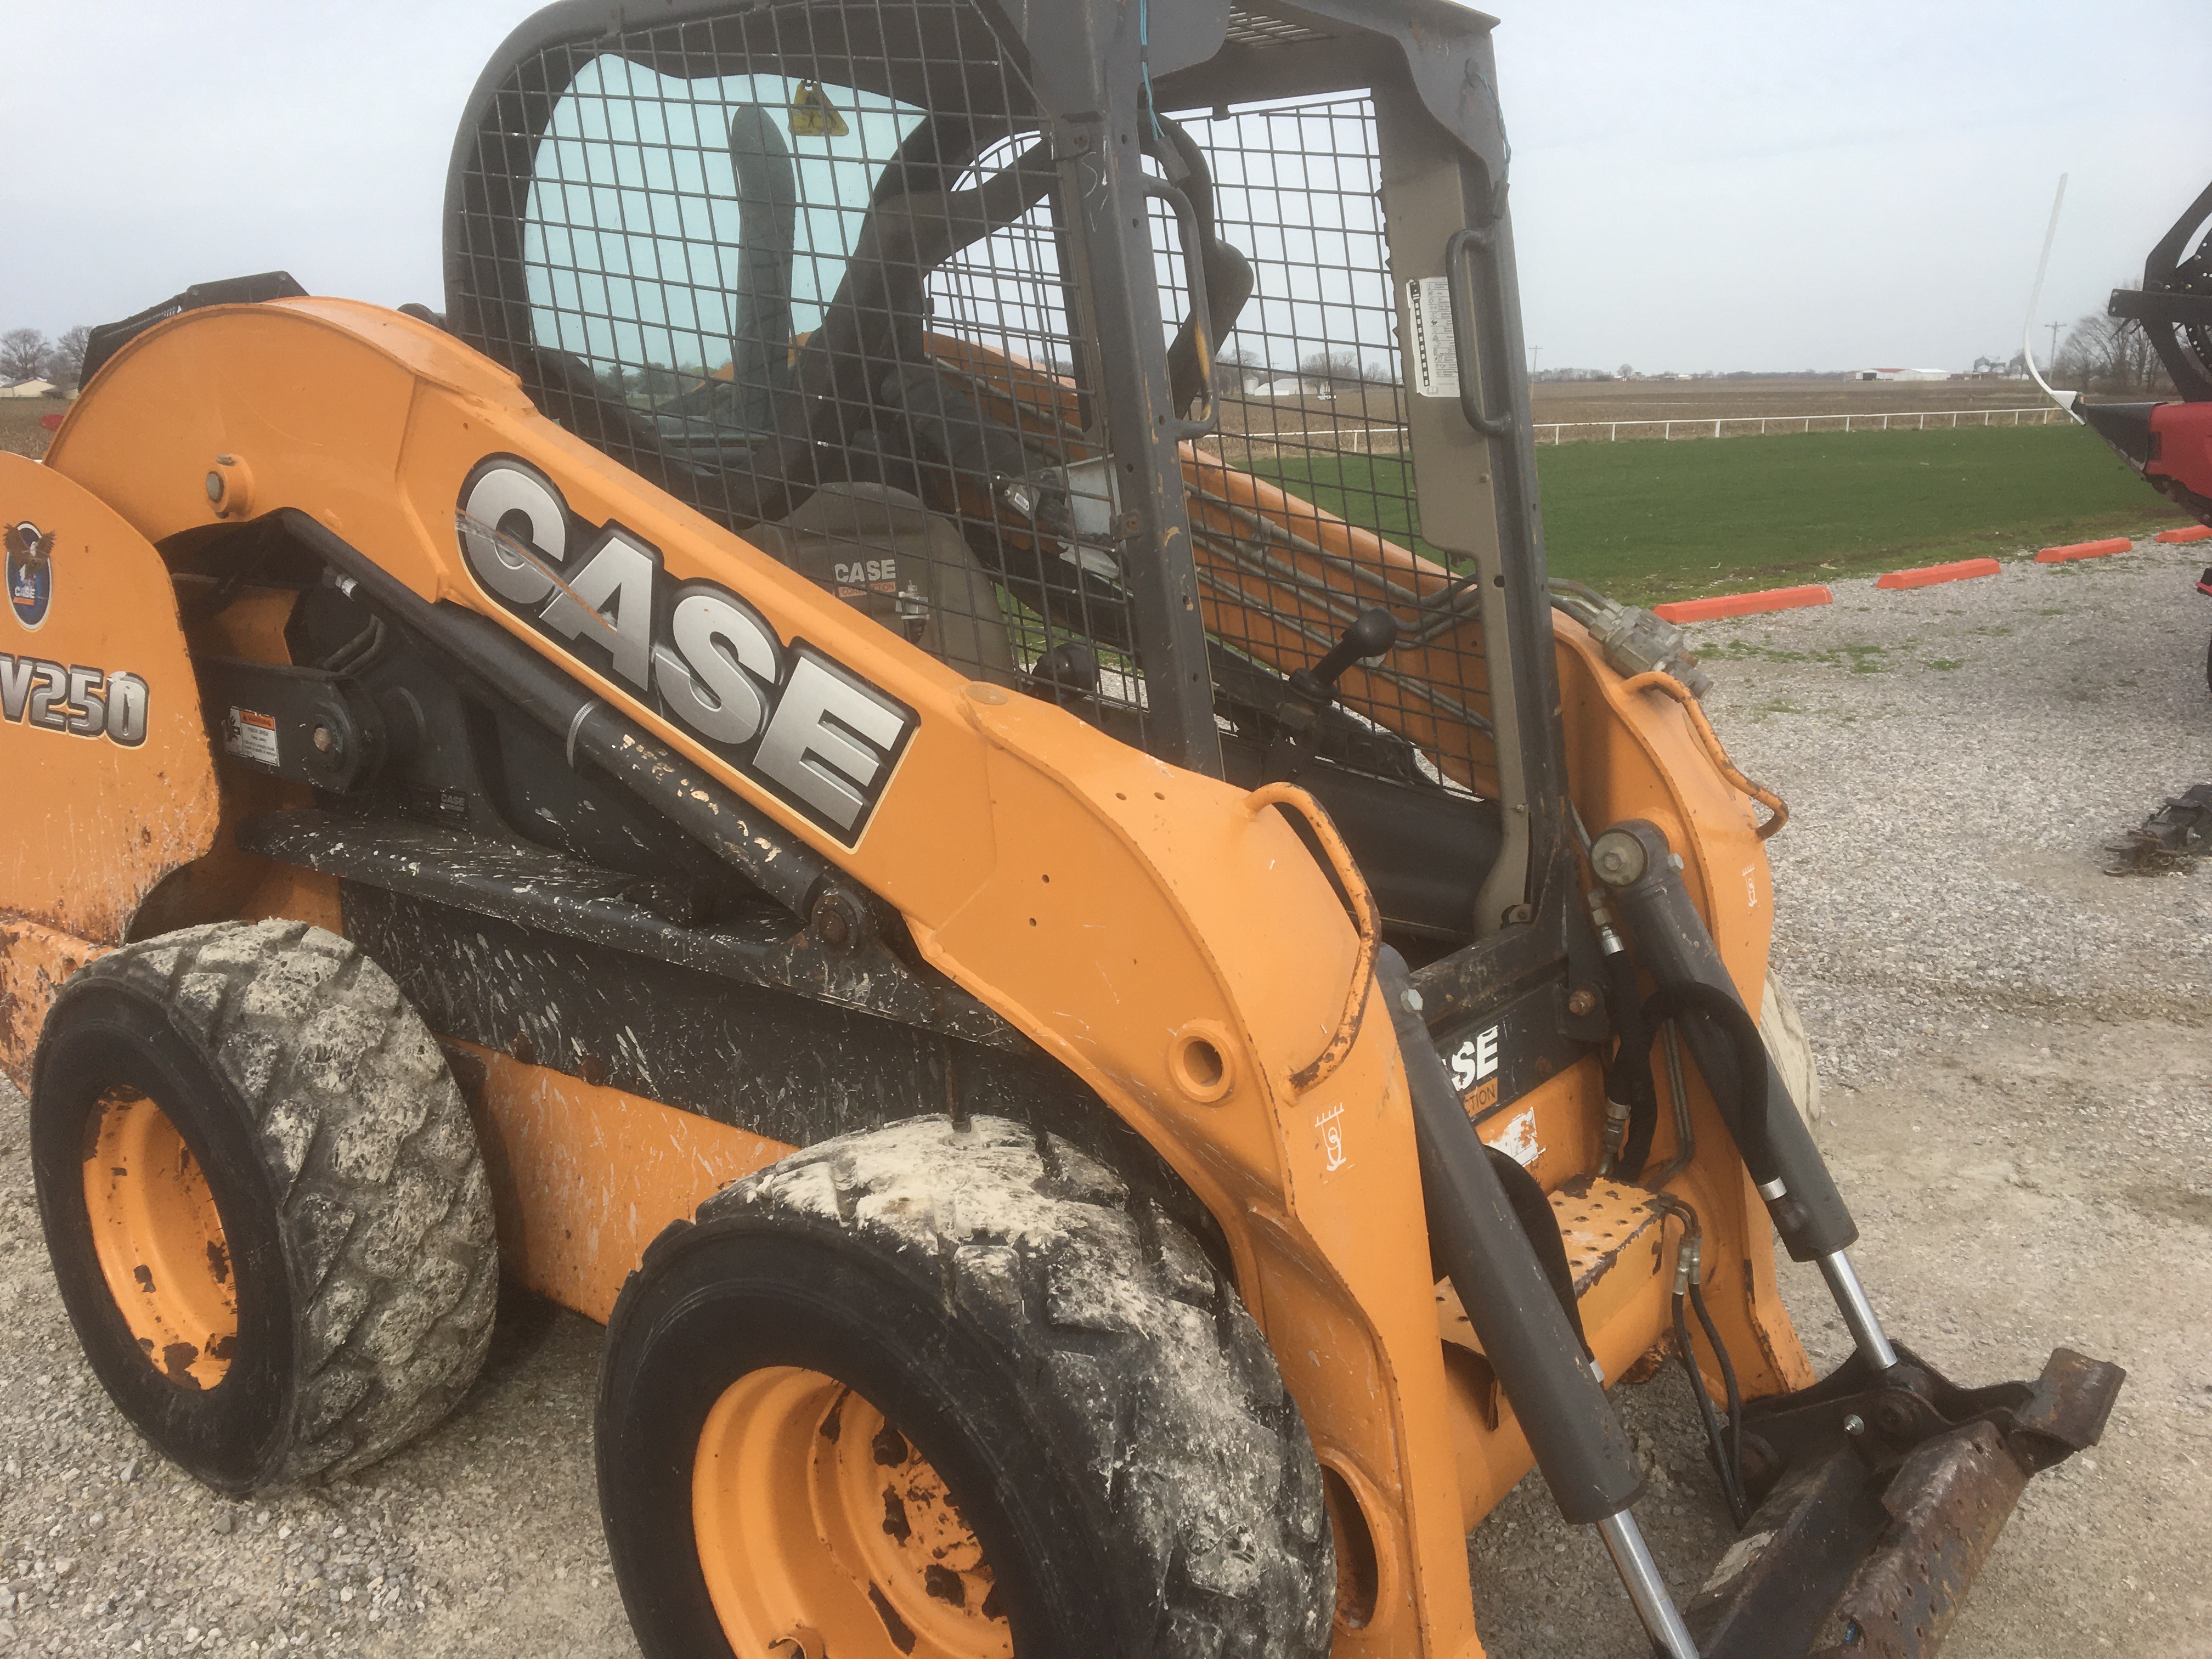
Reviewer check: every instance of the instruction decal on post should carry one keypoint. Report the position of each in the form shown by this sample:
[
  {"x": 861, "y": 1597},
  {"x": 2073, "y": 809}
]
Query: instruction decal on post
[{"x": 1435, "y": 346}]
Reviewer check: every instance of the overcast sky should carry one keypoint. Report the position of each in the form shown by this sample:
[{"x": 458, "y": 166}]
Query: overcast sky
[{"x": 1705, "y": 184}]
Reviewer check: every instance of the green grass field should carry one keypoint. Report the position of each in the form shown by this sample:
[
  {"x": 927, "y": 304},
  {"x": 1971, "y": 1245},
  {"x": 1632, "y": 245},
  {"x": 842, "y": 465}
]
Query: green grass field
[{"x": 1648, "y": 521}]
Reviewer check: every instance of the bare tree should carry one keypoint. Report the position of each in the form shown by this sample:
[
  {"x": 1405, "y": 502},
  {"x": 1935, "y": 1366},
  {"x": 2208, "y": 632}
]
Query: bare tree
[
  {"x": 1332, "y": 369},
  {"x": 1235, "y": 368},
  {"x": 66, "y": 365},
  {"x": 2111, "y": 354},
  {"x": 23, "y": 353}
]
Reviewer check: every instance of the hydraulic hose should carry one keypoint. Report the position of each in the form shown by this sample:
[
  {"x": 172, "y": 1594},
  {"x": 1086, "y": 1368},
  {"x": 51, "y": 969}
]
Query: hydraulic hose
[
  {"x": 1726, "y": 1440},
  {"x": 1628, "y": 1080},
  {"x": 1744, "y": 1107},
  {"x": 1732, "y": 1463}
]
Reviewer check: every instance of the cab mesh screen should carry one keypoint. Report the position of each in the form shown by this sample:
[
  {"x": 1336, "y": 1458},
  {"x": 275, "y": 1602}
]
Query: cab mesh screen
[{"x": 812, "y": 269}]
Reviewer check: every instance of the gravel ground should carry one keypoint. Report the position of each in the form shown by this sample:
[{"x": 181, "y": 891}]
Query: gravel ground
[{"x": 2018, "y": 1101}]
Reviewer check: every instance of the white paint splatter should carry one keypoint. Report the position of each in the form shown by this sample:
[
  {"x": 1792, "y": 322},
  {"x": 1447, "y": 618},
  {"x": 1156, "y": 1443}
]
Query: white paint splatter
[{"x": 1519, "y": 1141}]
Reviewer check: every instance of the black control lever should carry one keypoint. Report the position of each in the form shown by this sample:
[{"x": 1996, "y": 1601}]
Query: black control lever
[
  {"x": 1067, "y": 675},
  {"x": 1371, "y": 634},
  {"x": 1313, "y": 690}
]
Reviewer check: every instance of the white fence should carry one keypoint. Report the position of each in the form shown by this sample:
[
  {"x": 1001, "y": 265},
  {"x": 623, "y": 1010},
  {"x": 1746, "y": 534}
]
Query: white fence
[
  {"x": 1758, "y": 426},
  {"x": 1390, "y": 439},
  {"x": 1362, "y": 439}
]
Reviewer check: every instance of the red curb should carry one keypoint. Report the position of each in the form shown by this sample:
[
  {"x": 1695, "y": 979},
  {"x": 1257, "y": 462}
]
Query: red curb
[
  {"x": 2194, "y": 533},
  {"x": 2083, "y": 550},
  {"x": 1742, "y": 604},
  {"x": 1928, "y": 575}
]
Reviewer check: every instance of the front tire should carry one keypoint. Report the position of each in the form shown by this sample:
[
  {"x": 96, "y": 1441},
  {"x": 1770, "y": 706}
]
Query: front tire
[
  {"x": 262, "y": 1200},
  {"x": 1782, "y": 1029},
  {"x": 942, "y": 1393}
]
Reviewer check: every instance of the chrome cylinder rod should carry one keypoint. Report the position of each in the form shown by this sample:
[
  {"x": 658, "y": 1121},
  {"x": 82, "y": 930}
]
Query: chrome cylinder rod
[
  {"x": 1858, "y": 1312},
  {"x": 1624, "y": 1541}
]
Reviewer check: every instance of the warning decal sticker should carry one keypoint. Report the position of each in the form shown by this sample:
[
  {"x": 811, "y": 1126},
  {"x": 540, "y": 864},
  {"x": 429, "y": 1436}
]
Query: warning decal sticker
[{"x": 1436, "y": 347}]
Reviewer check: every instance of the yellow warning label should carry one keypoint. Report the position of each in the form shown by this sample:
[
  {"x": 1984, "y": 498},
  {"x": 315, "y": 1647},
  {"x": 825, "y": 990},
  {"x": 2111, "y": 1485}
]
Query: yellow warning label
[{"x": 812, "y": 114}]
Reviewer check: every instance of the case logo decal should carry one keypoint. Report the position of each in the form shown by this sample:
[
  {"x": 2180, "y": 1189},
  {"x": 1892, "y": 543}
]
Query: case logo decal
[
  {"x": 30, "y": 572},
  {"x": 84, "y": 702},
  {"x": 1474, "y": 1059},
  {"x": 785, "y": 713}
]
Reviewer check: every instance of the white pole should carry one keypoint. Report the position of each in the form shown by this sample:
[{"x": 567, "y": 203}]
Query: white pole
[{"x": 2065, "y": 400}]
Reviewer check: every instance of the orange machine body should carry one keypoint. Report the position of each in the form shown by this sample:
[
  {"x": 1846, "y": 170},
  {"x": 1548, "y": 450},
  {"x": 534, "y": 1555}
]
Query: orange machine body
[{"x": 1104, "y": 903}]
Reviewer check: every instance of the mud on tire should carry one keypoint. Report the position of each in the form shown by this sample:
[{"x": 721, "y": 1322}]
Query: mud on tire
[
  {"x": 1105, "y": 1413},
  {"x": 319, "y": 1117}
]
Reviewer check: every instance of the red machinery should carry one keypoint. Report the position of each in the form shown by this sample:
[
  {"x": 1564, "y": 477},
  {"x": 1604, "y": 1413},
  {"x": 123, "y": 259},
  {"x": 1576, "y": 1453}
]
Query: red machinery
[{"x": 2171, "y": 443}]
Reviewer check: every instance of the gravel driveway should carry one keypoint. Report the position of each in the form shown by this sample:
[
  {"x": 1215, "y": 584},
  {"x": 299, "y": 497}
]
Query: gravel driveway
[{"x": 2019, "y": 1103}]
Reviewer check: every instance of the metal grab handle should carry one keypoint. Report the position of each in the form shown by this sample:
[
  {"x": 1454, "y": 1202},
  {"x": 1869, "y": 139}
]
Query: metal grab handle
[
  {"x": 1459, "y": 267},
  {"x": 1363, "y": 915},
  {"x": 1658, "y": 680},
  {"x": 1194, "y": 268}
]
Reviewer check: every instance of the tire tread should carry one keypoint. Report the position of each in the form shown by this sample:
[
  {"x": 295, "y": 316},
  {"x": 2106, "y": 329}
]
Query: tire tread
[
  {"x": 384, "y": 1208},
  {"x": 1138, "y": 1354}
]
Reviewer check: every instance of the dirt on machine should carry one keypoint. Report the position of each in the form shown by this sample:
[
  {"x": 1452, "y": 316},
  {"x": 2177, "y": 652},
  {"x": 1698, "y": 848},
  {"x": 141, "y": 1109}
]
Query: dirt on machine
[{"x": 1127, "y": 1016}]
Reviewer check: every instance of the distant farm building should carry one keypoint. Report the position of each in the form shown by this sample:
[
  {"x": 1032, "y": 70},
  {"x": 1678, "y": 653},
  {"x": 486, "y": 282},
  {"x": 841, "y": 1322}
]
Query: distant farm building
[
  {"x": 27, "y": 388},
  {"x": 1907, "y": 375}
]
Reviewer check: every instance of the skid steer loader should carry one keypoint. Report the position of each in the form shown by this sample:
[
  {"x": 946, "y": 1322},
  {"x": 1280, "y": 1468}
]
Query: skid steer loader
[{"x": 1126, "y": 1015}]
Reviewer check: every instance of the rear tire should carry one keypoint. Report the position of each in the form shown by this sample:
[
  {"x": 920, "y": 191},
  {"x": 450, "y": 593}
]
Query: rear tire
[
  {"x": 263, "y": 1202},
  {"x": 1077, "y": 1437},
  {"x": 1782, "y": 1029}
]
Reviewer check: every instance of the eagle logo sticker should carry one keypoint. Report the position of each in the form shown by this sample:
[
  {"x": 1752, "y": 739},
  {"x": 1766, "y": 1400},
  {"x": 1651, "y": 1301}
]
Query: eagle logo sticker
[{"x": 30, "y": 572}]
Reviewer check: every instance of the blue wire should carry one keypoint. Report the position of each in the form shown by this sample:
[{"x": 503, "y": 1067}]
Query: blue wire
[{"x": 1144, "y": 65}]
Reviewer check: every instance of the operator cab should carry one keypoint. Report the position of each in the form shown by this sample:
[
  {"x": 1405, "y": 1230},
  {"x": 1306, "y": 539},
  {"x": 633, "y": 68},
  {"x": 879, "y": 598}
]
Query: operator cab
[{"x": 849, "y": 292}]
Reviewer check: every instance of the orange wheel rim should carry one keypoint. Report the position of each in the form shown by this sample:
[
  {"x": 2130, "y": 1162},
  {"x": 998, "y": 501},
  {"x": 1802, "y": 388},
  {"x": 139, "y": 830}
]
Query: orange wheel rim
[
  {"x": 159, "y": 1241},
  {"x": 822, "y": 1531}
]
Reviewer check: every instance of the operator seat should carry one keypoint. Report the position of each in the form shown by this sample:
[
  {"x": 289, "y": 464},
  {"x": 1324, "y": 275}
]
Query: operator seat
[{"x": 885, "y": 554}]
